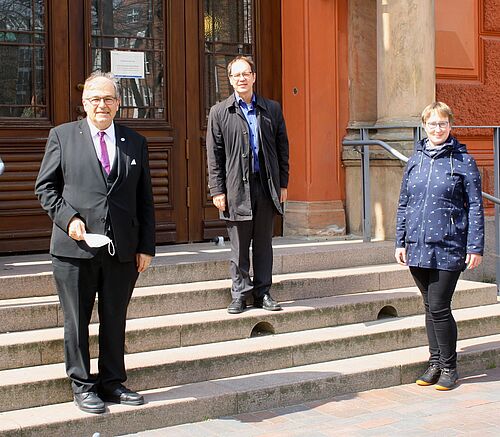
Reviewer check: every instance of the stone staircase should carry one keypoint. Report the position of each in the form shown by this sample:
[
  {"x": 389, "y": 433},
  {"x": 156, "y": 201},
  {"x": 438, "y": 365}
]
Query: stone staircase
[{"x": 351, "y": 321}]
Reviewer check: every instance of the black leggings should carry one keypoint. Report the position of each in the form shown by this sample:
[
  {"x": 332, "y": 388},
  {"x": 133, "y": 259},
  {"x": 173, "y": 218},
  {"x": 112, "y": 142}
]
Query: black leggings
[{"x": 437, "y": 287}]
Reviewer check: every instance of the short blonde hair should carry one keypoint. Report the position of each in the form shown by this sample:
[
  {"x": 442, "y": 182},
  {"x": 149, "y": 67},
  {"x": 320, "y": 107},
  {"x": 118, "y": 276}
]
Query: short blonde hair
[{"x": 439, "y": 107}]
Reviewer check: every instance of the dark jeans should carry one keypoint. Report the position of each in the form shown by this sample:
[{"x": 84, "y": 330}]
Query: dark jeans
[{"x": 437, "y": 287}]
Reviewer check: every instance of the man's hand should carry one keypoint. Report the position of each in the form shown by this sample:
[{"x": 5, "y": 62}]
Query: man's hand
[
  {"x": 283, "y": 195},
  {"x": 473, "y": 260},
  {"x": 400, "y": 255},
  {"x": 220, "y": 202},
  {"x": 142, "y": 261},
  {"x": 76, "y": 229}
]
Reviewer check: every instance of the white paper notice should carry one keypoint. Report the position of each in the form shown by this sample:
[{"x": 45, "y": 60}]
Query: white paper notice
[{"x": 129, "y": 65}]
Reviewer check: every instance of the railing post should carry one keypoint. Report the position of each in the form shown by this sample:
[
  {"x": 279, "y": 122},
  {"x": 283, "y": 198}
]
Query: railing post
[
  {"x": 417, "y": 136},
  {"x": 496, "y": 167},
  {"x": 365, "y": 170}
]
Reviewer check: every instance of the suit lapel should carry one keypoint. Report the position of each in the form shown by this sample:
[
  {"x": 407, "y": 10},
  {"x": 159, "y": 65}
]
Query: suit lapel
[
  {"x": 88, "y": 150},
  {"x": 122, "y": 146}
]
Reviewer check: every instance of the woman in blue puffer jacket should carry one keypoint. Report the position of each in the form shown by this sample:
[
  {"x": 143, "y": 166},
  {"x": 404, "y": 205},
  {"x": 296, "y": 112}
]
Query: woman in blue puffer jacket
[{"x": 440, "y": 233}]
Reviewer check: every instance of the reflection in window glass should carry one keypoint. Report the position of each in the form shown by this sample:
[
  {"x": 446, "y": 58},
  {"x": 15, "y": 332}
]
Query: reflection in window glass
[
  {"x": 229, "y": 30},
  {"x": 132, "y": 25},
  {"x": 23, "y": 55}
]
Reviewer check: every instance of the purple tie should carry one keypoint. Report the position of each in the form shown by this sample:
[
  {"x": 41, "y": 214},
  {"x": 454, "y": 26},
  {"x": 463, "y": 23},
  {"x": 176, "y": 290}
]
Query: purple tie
[{"x": 104, "y": 153}]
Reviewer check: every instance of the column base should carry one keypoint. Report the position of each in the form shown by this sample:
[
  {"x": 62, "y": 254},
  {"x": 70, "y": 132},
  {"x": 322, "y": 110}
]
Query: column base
[{"x": 320, "y": 218}]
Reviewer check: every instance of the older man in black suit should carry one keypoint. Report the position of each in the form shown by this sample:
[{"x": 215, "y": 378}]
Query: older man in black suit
[{"x": 95, "y": 179}]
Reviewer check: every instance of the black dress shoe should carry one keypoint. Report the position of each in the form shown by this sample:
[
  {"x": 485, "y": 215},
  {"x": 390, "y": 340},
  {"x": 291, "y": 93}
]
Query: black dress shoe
[
  {"x": 237, "y": 306},
  {"x": 89, "y": 402},
  {"x": 267, "y": 303},
  {"x": 122, "y": 395}
]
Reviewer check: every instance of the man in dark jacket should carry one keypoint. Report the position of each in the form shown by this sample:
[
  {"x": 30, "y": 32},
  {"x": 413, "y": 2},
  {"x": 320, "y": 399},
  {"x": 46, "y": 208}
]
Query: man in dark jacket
[{"x": 247, "y": 154}]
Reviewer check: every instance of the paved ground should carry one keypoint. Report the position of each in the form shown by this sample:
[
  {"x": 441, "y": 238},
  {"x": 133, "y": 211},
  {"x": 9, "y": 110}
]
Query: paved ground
[{"x": 472, "y": 409}]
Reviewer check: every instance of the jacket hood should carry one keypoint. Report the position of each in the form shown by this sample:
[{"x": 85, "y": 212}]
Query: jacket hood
[{"x": 451, "y": 144}]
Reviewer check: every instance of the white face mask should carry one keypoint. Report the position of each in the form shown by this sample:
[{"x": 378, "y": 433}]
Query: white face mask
[{"x": 98, "y": 240}]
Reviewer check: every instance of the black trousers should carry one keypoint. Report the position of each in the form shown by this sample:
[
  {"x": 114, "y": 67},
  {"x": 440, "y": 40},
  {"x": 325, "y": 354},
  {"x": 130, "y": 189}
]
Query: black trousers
[
  {"x": 437, "y": 288},
  {"x": 258, "y": 233},
  {"x": 78, "y": 281}
]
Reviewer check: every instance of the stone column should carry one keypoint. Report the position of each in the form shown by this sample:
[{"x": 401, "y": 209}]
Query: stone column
[
  {"x": 405, "y": 84},
  {"x": 362, "y": 36},
  {"x": 406, "y": 68}
]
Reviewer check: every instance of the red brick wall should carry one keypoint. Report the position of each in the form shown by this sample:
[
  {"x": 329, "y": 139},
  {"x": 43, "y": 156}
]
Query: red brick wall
[{"x": 468, "y": 73}]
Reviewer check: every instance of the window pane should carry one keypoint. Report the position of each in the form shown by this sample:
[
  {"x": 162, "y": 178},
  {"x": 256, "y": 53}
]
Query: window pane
[
  {"x": 22, "y": 51},
  {"x": 228, "y": 27},
  {"x": 132, "y": 25}
]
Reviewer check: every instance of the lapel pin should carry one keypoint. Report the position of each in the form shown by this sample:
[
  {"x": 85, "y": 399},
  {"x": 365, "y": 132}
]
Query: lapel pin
[
  {"x": 133, "y": 162},
  {"x": 122, "y": 139}
]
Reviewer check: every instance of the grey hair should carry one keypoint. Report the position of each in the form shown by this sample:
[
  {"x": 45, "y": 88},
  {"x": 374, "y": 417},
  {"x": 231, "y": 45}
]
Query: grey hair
[{"x": 108, "y": 75}]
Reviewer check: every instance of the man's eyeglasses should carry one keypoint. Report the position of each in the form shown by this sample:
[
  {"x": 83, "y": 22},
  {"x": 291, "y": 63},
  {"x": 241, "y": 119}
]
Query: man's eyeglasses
[
  {"x": 94, "y": 101},
  {"x": 441, "y": 124},
  {"x": 244, "y": 75}
]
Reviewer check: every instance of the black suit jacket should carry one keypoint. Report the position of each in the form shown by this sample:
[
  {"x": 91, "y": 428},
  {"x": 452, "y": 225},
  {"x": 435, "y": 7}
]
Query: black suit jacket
[{"x": 71, "y": 183}]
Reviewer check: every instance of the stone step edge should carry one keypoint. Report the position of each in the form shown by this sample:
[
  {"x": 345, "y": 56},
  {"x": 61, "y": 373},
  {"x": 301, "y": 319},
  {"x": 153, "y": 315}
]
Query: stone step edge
[
  {"x": 188, "y": 318},
  {"x": 218, "y": 267},
  {"x": 40, "y": 301},
  {"x": 287, "y": 350},
  {"x": 179, "y": 326},
  {"x": 219, "y": 284},
  {"x": 44, "y": 311},
  {"x": 284, "y": 278},
  {"x": 140, "y": 323},
  {"x": 207, "y": 351},
  {"x": 236, "y": 395}
]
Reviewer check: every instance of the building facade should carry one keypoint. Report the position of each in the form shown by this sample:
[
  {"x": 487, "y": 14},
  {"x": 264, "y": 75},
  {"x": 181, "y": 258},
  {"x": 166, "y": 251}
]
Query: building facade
[
  {"x": 402, "y": 56},
  {"x": 334, "y": 65}
]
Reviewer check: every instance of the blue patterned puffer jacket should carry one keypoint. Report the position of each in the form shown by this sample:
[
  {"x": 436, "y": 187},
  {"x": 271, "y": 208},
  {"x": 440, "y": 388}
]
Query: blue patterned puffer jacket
[{"x": 440, "y": 213}]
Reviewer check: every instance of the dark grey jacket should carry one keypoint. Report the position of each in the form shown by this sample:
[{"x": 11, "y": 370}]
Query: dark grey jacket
[
  {"x": 440, "y": 213},
  {"x": 228, "y": 152},
  {"x": 71, "y": 183}
]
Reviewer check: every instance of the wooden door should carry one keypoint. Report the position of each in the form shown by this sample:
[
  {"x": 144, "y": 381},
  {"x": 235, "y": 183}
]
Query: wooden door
[
  {"x": 56, "y": 49},
  {"x": 153, "y": 105},
  {"x": 47, "y": 53},
  {"x": 225, "y": 29}
]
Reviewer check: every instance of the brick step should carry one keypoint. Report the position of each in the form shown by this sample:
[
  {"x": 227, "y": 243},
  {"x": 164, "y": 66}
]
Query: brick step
[
  {"x": 45, "y": 346},
  {"x": 168, "y": 406},
  {"x": 46, "y": 384},
  {"x": 44, "y": 311},
  {"x": 31, "y": 275}
]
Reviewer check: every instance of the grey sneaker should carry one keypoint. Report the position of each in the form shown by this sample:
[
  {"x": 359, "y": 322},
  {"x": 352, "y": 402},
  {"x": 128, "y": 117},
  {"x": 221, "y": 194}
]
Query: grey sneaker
[
  {"x": 447, "y": 380},
  {"x": 430, "y": 376}
]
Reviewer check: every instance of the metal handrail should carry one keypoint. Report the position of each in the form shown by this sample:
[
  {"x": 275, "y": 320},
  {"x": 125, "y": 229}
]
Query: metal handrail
[{"x": 365, "y": 142}]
